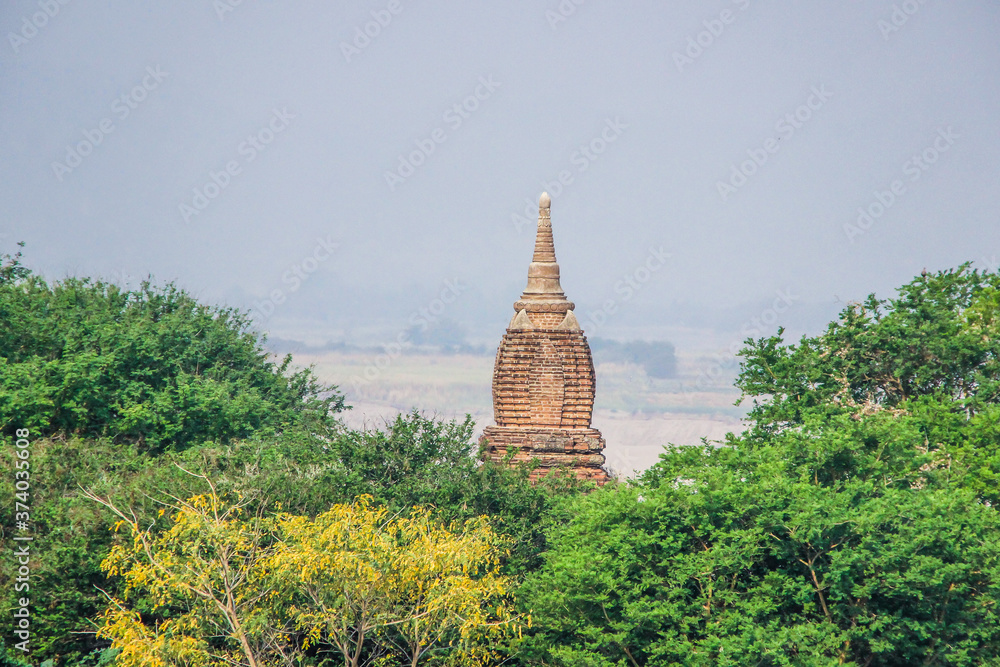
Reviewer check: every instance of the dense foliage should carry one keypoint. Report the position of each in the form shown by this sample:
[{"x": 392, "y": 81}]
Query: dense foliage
[
  {"x": 929, "y": 357},
  {"x": 151, "y": 366},
  {"x": 853, "y": 522},
  {"x": 730, "y": 556},
  {"x": 126, "y": 388},
  {"x": 305, "y": 476}
]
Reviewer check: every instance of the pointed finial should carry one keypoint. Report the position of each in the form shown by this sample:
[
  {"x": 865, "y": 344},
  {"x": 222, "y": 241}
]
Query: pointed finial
[
  {"x": 543, "y": 292},
  {"x": 544, "y": 248}
]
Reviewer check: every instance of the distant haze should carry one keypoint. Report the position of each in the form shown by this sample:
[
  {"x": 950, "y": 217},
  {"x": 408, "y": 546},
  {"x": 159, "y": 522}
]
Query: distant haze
[{"x": 788, "y": 157}]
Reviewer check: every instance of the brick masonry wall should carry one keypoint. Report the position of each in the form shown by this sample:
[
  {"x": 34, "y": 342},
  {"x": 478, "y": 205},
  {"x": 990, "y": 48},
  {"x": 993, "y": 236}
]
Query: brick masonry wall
[
  {"x": 543, "y": 378},
  {"x": 543, "y": 400}
]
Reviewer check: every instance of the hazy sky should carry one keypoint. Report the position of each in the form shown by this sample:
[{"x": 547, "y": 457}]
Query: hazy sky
[{"x": 257, "y": 148}]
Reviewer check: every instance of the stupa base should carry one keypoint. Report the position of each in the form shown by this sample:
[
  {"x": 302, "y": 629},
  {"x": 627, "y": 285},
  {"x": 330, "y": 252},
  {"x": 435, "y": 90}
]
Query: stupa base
[{"x": 578, "y": 450}]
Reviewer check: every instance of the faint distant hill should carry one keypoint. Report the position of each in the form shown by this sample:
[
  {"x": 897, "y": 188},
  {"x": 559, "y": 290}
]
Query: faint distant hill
[{"x": 658, "y": 358}]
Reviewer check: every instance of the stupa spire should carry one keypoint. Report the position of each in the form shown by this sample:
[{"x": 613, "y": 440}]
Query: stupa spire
[{"x": 543, "y": 272}]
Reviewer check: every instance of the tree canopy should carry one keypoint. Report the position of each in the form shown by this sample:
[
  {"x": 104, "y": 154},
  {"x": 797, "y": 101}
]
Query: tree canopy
[
  {"x": 854, "y": 522},
  {"x": 150, "y": 365}
]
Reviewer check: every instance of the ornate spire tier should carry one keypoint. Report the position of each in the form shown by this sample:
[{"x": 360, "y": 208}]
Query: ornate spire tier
[{"x": 543, "y": 380}]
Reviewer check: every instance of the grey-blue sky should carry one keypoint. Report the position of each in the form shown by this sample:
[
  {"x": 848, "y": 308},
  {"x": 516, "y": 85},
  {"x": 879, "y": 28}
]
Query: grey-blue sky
[{"x": 656, "y": 184}]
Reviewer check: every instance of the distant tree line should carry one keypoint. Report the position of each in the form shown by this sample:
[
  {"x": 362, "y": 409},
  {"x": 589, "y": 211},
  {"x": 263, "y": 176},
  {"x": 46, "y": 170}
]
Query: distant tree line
[{"x": 657, "y": 358}]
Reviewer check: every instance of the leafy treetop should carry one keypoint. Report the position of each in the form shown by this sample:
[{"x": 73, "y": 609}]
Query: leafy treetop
[{"x": 150, "y": 366}]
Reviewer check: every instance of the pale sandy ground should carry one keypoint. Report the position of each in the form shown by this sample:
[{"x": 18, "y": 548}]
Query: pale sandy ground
[{"x": 636, "y": 414}]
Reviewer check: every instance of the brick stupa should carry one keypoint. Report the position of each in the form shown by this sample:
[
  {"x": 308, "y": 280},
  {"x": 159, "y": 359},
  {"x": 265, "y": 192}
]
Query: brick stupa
[{"x": 543, "y": 380}]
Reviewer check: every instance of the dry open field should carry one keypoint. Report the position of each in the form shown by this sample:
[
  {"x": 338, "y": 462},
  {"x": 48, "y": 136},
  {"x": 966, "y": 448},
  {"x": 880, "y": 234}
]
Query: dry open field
[{"x": 638, "y": 415}]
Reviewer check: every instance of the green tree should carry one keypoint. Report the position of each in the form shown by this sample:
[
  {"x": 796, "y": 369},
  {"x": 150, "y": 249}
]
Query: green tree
[
  {"x": 852, "y": 523},
  {"x": 930, "y": 356},
  {"x": 11, "y": 269},
  {"x": 150, "y": 365}
]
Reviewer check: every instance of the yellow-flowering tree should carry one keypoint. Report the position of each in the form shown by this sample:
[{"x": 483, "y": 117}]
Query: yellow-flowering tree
[
  {"x": 441, "y": 580},
  {"x": 329, "y": 576},
  {"x": 218, "y": 585},
  {"x": 204, "y": 569},
  {"x": 356, "y": 577}
]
